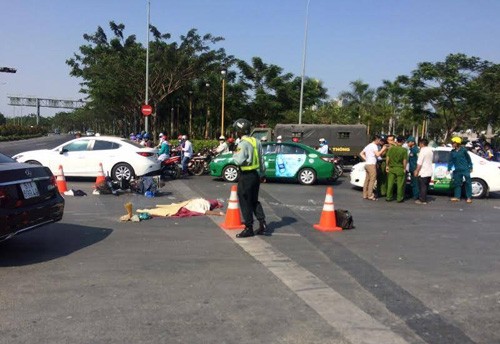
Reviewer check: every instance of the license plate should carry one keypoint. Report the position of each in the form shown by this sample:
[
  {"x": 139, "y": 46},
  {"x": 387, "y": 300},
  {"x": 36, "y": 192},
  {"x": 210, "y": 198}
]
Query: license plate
[{"x": 30, "y": 190}]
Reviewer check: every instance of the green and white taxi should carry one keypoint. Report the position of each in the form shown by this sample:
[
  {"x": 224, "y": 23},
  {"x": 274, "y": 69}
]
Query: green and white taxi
[{"x": 286, "y": 160}]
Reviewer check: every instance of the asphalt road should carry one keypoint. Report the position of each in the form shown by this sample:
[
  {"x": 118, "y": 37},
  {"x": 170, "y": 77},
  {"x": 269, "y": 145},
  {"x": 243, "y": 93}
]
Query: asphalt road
[{"x": 406, "y": 273}]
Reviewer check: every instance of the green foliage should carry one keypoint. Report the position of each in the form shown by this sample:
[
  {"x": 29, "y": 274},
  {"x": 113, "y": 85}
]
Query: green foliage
[
  {"x": 199, "y": 145},
  {"x": 3, "y": 120}
]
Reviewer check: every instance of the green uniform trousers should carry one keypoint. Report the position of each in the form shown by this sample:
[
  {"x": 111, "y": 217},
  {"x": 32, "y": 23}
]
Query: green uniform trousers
[{"x": 396, "y": 174}]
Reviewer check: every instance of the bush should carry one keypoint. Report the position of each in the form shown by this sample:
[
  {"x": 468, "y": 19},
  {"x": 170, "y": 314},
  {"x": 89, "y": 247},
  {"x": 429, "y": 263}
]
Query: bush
[{"x": 10, "y": 132}]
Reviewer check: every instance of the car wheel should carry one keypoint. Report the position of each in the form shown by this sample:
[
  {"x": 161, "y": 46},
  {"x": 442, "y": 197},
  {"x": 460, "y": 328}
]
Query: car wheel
[
  {"x": 307, "y": 176},
  {"x": 122, "y": 171},
  {"x": 479, "y": 188},
  {"x": 34, "y": 162},
  {"x": 231, "y": 173}
]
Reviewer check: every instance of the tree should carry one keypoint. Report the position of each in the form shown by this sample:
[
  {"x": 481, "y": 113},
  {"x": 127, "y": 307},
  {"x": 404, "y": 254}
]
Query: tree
[
  {"x": 360, "y": 100},
  {"x": 448, "y": 86},
  {"x": 3, "y": 120}
]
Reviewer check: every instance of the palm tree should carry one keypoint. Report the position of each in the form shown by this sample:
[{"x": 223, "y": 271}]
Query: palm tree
[{"x": 360, "y": 99}]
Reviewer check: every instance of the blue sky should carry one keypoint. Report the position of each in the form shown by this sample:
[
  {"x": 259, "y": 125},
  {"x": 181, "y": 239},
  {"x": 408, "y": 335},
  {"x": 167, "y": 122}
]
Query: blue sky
[{"x": 347, "y": 39}]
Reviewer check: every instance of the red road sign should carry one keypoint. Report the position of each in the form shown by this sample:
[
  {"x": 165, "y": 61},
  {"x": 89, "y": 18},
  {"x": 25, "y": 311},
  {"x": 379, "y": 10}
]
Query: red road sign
[{"x": 146, "y": 110}]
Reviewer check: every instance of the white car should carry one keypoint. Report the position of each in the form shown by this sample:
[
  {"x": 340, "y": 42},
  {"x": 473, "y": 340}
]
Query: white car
[
  {"x": 120, "y": 158},
  {"x": 485, "y": 174}
]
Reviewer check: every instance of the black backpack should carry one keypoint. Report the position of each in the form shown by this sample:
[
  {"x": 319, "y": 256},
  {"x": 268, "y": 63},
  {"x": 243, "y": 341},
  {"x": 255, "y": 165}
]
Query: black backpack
[{"x": 344, "y": 219}]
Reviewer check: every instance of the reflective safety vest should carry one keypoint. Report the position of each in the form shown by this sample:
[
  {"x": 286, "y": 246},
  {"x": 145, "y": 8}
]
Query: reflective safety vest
[{"x": 255, "y": 157}]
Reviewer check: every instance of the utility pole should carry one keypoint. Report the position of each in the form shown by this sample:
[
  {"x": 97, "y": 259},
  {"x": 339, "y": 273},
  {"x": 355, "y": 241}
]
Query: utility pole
[{"x": 146, "y": 120}]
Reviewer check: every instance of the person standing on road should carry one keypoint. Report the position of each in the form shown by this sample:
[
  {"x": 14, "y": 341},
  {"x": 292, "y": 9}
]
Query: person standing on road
[
  {"x": 397, "y": 157},
  {"x": 423, "y": 171},
  {"x": 187, "y": 153},
  {"x": 382, "y": 174},
  {"x": 369, "y": 154},
  {"x": 248, "y": 156},
  {"x": 412, "y": 166},
  {"x": 460, "y": 159}
]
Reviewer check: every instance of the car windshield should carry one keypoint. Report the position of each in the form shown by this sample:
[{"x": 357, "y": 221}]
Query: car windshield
[{"x": 4, "y": 159}]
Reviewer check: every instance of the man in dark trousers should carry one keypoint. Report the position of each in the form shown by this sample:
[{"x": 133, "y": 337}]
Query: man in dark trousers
[
  {"x": 461, "y": 161},
  {"x": 397, "y": 156},
  {"x": 248, "y": 156}
]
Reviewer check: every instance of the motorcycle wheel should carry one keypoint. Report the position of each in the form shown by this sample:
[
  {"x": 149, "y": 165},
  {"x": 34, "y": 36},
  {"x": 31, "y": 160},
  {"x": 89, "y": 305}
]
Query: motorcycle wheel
[
  {"x": 177, "y": 171},
  {"x": 198, "y": 169}
]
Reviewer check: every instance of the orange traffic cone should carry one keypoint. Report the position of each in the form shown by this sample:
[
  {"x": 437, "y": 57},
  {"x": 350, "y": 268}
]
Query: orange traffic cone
[
  {"x": 61, "y": 181},
  {"x": 328, "y": 220},
  {"x": 233, "y": 217},
  {"x": 100, "y": 176}
]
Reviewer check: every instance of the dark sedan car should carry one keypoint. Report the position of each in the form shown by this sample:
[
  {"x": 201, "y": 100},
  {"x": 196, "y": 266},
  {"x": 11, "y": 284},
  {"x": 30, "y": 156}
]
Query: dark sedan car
[{"x": 28, "y": 197}]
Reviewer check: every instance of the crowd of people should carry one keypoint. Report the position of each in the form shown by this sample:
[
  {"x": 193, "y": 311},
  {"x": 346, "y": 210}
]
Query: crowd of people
[{"x": 388, "y": 159}]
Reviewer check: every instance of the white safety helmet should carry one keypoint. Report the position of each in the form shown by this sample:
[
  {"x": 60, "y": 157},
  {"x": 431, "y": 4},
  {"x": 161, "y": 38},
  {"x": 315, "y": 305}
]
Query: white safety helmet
[
  {"x": 279, "y": 138},
  {"x": 264, "y": 138},
  {"x": 184, "y": 137},
  {"x": 322, "y": 140},
  {"x": 222, "y": 138},
  {"x": 161, "y": 135}
]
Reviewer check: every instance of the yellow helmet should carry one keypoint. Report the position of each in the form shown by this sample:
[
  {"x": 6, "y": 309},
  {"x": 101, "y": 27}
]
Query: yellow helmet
[{"x": 456, "y": 139}]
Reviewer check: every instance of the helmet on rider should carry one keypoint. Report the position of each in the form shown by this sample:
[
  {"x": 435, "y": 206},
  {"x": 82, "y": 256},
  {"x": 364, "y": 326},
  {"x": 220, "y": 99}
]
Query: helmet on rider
[
  {"x": 133, "y": 138},
  {"x": 138, "y": 137},
  {"x": 184, "y": 137},
  {"x": 456, "y": 140},
  {"x": 242, "y": 126},
  {"x": 146, "y": 136},
  {"x": 230, "y": 140},
  {"x": 222, "y": 138}
]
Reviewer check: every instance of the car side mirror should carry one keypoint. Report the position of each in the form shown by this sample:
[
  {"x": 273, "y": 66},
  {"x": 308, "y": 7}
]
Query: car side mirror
[{"x": 62, "y": 150}]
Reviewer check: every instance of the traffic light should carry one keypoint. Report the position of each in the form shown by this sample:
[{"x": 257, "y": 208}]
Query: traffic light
[{"x": 7, "y": 70}]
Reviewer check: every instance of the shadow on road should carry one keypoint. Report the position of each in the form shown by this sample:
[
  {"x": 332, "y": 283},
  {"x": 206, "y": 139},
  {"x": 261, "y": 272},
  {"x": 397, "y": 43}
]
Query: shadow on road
[{"x": 44, "y": 244}]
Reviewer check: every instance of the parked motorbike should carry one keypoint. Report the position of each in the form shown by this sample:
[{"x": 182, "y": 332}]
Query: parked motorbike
[
  {"x": 171, "y": 167},
  {"x": 339, "y": 166},
  {"x": 200, "y": 163}
]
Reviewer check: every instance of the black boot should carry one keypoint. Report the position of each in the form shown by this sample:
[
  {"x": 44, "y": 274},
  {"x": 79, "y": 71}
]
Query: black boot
[
  {"x": 262, "y": 228},
  {"x": 247, "y": 232}
]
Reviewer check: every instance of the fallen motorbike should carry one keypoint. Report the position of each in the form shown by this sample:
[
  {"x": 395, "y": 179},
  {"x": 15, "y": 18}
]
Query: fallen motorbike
[{"x": 171, "y": 167}]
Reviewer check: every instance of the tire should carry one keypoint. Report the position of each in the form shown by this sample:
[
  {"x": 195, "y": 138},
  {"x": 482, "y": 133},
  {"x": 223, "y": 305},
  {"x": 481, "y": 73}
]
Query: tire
[
  {"x": 479, "y": 188},
  {"x": 178, "y": 172},
  {"x": 198, "y": 168},
  {"x": 122, "y": 171},
  {"x": 231, "y": 173},
  {"x": 307, "y": 176},
  {"x": 34, "y": 162}
]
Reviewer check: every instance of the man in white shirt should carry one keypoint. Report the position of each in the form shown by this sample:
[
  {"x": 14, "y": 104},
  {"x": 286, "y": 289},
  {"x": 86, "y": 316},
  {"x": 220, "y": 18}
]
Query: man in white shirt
[
  {"x": 424, "y": 170},
  {"x": 323, "y": 146},
  {"x": 187, "y": 150},
  {"x": 369, "y": 154}
]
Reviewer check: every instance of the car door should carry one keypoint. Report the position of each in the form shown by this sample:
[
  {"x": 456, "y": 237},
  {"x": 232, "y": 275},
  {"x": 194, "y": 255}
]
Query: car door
[
  {"x": 102, "y": 152},
  {"x": 441, "y": 180},
  {"x": 73, "y": 158},
  {"x": 289, "y": 159}
]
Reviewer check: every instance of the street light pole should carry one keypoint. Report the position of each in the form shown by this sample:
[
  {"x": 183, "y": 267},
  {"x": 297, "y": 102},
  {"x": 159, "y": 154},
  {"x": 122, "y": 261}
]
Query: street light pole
[
  {"x": 146, "y": 120},
  {"x": 190, "y": 113},
  {"x": 303, "y": 65},
  {"x": 223, "y": 73},
  {"x": 207, "y": 119}
]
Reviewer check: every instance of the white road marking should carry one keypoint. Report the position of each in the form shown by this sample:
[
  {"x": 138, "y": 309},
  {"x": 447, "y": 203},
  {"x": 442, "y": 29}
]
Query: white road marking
[{"x": 353, "y": 323}]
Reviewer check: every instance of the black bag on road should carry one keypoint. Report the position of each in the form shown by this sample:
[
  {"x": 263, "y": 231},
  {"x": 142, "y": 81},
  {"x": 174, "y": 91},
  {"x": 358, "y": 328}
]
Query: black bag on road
[{"x": 344, "y": 218}]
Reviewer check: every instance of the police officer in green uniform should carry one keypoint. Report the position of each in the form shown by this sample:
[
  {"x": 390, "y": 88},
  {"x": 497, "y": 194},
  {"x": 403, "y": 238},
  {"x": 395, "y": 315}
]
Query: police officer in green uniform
[
  {"x": 388, "y": 142},
  {"x": 460, "y": 159},
  {"x": 412, "y": 166},
  {"x": 397, "y": 157},
  {"x": 248, "y": 156}
]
